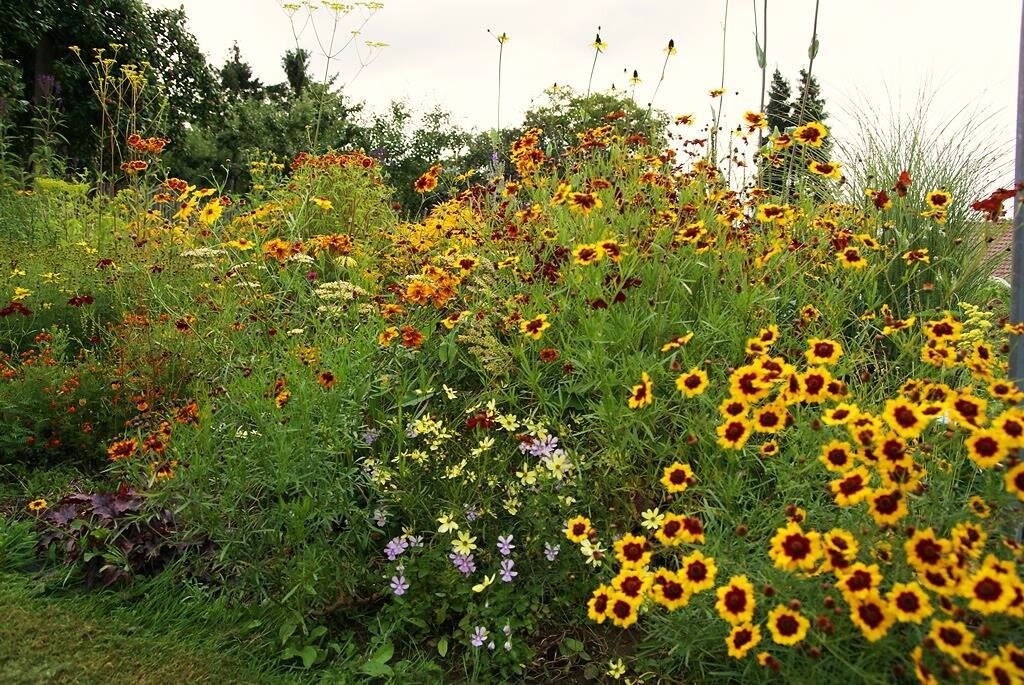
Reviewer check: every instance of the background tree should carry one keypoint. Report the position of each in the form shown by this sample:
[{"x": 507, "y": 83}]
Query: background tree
[
  {"x": 296, "y": 69},
  {"x": 236, "y": 77},
  {"x": 36, "y": 36}
]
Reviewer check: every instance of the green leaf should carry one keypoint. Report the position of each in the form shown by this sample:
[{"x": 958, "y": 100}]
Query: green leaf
[
  {"x": 812, "y": 51},
  {"x": 383, "y": 654},
  {"x": 308, "y": 654},
  {"x": 442, "y": 646},
  {"x": 286, "y": 631},
  {"x": 759, "y": 51}
]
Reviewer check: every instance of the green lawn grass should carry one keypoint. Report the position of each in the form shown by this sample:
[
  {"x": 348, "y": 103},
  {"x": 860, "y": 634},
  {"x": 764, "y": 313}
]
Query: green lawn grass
[{"x": 77, "y": 640}]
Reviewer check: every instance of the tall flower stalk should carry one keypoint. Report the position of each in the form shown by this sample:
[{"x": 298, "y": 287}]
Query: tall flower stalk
[
  {"x": 721, "y": 90},
  {"x": 669, "y": 51},
  {"x": 599, "y": 47},
  {"x": 812, "y": 52},
  {"x": 502, "y": 39}
]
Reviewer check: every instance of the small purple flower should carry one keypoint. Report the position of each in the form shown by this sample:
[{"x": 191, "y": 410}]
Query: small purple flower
[
  {"x": 471, "y": 513},
  {"x": 370, "y": 436},
  {"x": 507, "y": 574},
  {"x": 479, "y": 636},
  {"x": 396, "y": 547},
  {"x": 380, "y": 517},
  {"x": 505, "y": 545},
  {"x": 551, "y": 551},
  {"x": 463, "y": 562},
  {"x": 399, "y": 585}
]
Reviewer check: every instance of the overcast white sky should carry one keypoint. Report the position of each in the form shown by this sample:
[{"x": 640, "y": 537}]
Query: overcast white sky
[{"x": 872, "y": 51}]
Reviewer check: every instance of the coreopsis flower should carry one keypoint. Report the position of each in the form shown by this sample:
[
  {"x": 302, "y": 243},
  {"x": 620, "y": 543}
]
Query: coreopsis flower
[
  {"x": 887, "y": 507},
  {"x": 733, "y": 434},
  {"x": 989, "y": 592},
  {"x": 951, "y": 637},
  {"x": 938, "y": 199},
  {"x": 684, "y": 120},
  {"x": 793, "y": 549},
  {"x": 918, "y": 255},
  {"x": 677, "y": 477},
  {"x": 909, "y": 603},
  {"x": 599, "y": 603},
  {"x": 642, "y": 394},
  {"x": 667, "y": 590},
  {"x": 692, "y": 383},
  {"x": 872, "y": 615},
  {"x": 851, "y": 258},
  {"x": 812, "y": 134},
  {"x": 599, "y": 44},
  {"x": 905, "y": 418},
  {"x": 858, "y": 580},
  {"x": 736, "y": 601},
  {"x": 838, "y": 456},
  {"x": 827, "y": 169},
  {"x": 1014, "y": 480},
  {"x": 622, "y": 611},
  {"x": 788, "y": 627},
  {"x": 986, "y": 447},
  {"x": 925, "y": 551},
  {"x": 742, "y": 638},
  {"x": 755, "y": 121},
  {"x": 771, "y": 418},
  {"x": 633, "y": 551},
  {"x": 535, "y": 327},
  {"x": 672, "y": 531},
  {"x": 632, "y": 583},
  {"x": 578, "y": 529},
  {"x": 37, "y": 505},
  {"x": 587, "y": 254},
  {"x": 823, "y": 351},
  {"x": 584, "y": 203},
  {"x": 122, "y": 449},
  {"x": 387, "y": 336},
  {"x": 840, "y": 415},
  {"x": 697, "y": 572},
  {"x": 677, "y": 342}
]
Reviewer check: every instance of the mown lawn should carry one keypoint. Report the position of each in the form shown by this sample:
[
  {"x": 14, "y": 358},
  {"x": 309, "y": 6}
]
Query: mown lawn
[{"x": 75, "y": 640}]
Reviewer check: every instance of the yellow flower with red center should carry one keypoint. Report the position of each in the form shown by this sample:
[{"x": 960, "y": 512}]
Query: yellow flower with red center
[
  {"x": 693, "y": 382},
  {"x": 578, "y": 529},
  {"x": 938, "y": 199},
  {"x": 599, "y": 603},
  {"x": 642, "y": 394},
  {"x": 840, "y": 414},
  {"x": 677, "y": 342},
  {"x": 633, "y": 551},
  {"x": 838, "y": 456},
  {"x": 586, "y": 254},
  {"x": 37, "y": 505},
  {"x": 734, "y": 433},
  {"x": 872, "y": 615},
  {"x": 672, "y": 531},
  {"x": 736, "y": 601},
  {"x": 852, "y": 488},
  {"x": 905, "y": 418},
  {"x": 122, "y": 449},
  {"x": 788, "y": 627},
  {"x": 827, "y": 169},
  {"x": 755, "y": 121},
  {"x": 632, "y": 584},
  {"x": 989, "y": 592},
  {"x": 668, "y": 591},
  {"x": 851, "y": 258},
  {"x": 1014, "y": 480},
  {"x": 792, "y": 549},
  {"x": 677, "y": 477},
  {"x": 584, "y": 203},
  {"x": 535, "y": 327},
  {"x": 823, "y": 351},
  {"x": 909, "y": 603},
  {"x": 812, "y": 133},
  {"x": 742, "y": 638},
  {"x": 887, "y": 506},
  {"x": 986, "y": 447},
  {"x": 622, "y": 611},
  {"x": 952, "y": 637},
  {"x": 770, "y": 418},
  {"x": 387, "y": 336},
  {"x": 858, "y": 580},
  {"x": 697, "y": 572}
]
